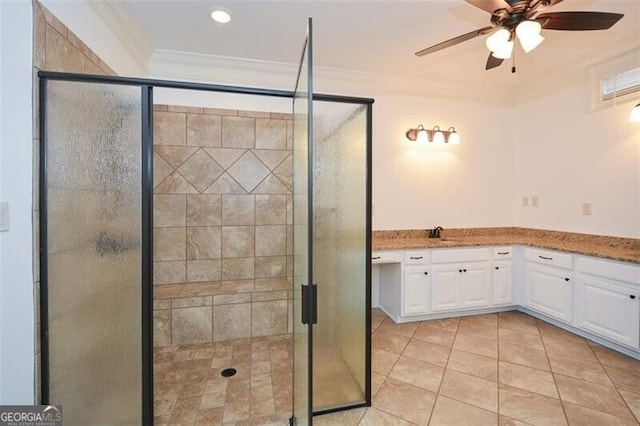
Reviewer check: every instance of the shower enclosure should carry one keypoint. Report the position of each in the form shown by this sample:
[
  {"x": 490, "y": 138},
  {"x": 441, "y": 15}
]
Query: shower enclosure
[{"x": 96, "y": 180}]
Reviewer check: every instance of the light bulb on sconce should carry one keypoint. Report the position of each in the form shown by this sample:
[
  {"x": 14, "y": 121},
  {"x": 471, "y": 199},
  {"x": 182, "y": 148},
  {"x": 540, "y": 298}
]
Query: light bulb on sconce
[
  {"x": 438, "y": 136},
  {"x": 434, "y": 136},
  {"x": 634, "y": 117},
  {"x": 422, "y": 137},
  {"x": 454, "y": 137}
]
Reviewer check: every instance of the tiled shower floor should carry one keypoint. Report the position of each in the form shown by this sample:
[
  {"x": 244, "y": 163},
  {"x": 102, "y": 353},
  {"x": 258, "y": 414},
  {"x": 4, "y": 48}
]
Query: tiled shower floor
[{"x": 189, "y": 388}]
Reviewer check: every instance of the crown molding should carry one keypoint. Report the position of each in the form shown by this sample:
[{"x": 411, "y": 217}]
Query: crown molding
[
  {"x": 579, "y": 72},
  {"x": 276, "y": 75},
  {"x": 120, "y": 20}
]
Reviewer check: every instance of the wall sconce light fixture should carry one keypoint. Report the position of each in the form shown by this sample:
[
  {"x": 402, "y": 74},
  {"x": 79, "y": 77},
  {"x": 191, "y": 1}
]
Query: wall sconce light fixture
[
  {"x": 634, "y": 117},
  {"x": 435, "y": 135}
]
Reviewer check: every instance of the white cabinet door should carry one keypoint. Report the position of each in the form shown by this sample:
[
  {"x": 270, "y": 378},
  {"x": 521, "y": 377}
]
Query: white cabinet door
[
  {"x": 502, "y": 282},
  {"x": 549, "y": 290},
  {"x": 608, "y": 308},
  {"x": 475, "y": 286},
  {"x": 415, "y": 297},
  {"x": 444, "y": 288}
]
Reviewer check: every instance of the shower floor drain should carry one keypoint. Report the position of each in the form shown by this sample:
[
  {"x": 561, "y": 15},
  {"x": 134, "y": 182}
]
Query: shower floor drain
[{"x": 228, "y": 372}]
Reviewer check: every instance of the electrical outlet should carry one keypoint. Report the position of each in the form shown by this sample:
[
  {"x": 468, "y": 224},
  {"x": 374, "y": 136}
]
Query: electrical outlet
[
  {"x": 525, "y": 201},
  {"x": 586, "y": 209},
  {"x": 535, "y": 201}
]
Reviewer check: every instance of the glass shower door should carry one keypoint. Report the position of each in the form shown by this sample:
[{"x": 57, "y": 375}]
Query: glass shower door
[
  {"x": 302, "y": 236},
  {"x": 340, "y": 251},
  {"x": 93, "y": 251}
]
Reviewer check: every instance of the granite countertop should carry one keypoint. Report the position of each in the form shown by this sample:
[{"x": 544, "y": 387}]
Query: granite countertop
[{"x": 614, "y": 248}]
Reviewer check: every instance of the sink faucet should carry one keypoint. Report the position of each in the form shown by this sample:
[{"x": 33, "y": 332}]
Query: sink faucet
[{"x": 435, "y": 232}]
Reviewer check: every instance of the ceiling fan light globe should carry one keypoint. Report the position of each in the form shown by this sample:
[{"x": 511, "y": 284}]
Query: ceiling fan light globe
[
  {"x": 504, "y": 52},
  {"x": 530, "y": 43},
  {"x": 527, "y": 29},
  {"x": 497, "y": 40}
]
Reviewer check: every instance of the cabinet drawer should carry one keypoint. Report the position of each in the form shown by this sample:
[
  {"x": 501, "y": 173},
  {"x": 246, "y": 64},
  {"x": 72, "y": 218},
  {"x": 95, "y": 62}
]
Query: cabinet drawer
[
  {"x": 616, "y": 271},
  {"x": 416, "y": 257},
  {"x": 386, "y": 257},
  {"x": 501, "y": 252},
  {"x": 548, "y": 257},
  {"x": 459, "y": 255}
]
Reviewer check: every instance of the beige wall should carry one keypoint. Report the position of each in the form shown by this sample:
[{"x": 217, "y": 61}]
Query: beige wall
[{"x": 222, "y": 224}]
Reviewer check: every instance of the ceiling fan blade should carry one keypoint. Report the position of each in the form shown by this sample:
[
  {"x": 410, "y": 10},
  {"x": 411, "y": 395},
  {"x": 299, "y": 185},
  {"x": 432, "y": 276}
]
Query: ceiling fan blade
[
  {"x": 493, "y": 62},
  {"x": 578, "y": 21},
  {"x": 490, "y": 5},
  {"x": 454, "y": 41}
]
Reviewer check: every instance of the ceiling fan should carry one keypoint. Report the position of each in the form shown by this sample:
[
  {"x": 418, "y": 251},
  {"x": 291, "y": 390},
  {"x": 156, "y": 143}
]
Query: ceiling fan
[{"x": 522, "y": 19}]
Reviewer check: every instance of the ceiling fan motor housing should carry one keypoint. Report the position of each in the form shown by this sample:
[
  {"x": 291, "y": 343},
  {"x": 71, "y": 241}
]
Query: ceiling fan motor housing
[{"x": 520, "y": 12}]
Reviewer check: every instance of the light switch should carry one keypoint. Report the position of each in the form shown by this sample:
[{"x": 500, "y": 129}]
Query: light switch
[
  {"x": 535, "y": 201},
  {"x": 586, "y": 209},
  {"x": 525, "y": 201},
  {"x": 4, "y": 216}
]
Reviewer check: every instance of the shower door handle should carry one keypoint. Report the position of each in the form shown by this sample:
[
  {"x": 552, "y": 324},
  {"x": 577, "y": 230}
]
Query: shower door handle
[{"x": 309, "y": 304}]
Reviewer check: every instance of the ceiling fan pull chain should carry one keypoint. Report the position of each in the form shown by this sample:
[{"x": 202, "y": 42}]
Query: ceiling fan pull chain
[{"x": 513, "y": 65}]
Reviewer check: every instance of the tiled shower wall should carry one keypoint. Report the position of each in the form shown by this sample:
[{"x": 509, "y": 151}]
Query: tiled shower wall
[
  {"x": 222, "y": 224},
  {"x": 55, "y": 48}
]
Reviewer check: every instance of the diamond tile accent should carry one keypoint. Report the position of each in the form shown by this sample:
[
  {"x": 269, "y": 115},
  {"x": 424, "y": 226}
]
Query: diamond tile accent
[
  {"x": 248, "y": 171},
  {"x": 225, "y": 185},
  {"x": 201, "y": 170},
  {"x": 161, "y": 169},
  {"x": 284, "y": 171},
  {"x": 175, "y": 155},
  {"x": 271, "y": 158},
  {"x": 271, "y": 185},
  {"x": 175, "y": 184},
  {"x": 225, "y": 156}
]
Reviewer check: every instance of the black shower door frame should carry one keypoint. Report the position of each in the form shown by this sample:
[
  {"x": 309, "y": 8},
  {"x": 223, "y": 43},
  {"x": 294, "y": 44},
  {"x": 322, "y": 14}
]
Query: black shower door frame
[{"x": 146, "y": 86}]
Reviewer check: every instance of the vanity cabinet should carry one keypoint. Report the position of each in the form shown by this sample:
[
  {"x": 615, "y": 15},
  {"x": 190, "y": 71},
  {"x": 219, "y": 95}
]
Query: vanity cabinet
[
  {"x": 460, "y": 279},
  {"x": 502, "y": 276},
  {"x": 593, "y": 296},
  {"x": 548, "y": 286},
  {"x": 608, "y": 300},
  {"x": 415, "y": 286}
]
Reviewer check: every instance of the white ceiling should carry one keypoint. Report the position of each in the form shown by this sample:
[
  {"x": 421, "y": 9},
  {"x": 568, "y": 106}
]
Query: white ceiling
[{"x": 378, "y": 37}]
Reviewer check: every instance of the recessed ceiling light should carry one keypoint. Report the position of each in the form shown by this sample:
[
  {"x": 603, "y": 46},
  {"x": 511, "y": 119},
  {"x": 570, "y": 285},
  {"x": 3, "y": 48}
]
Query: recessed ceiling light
[{"x": 220, "y": 16}]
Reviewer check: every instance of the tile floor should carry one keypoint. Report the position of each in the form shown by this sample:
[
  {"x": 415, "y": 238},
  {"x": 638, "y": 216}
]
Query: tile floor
[
  {"x": 495, "y": 369},
  {"x": 507, "y": 369},
  {"x": 189, "y": 389}
]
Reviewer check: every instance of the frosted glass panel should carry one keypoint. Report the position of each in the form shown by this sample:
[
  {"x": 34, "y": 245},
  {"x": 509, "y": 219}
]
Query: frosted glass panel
[
  {"x": 93, "y": 172},
  {"x": 302, "y": 109},
  {"x": 339, "y": 253}
]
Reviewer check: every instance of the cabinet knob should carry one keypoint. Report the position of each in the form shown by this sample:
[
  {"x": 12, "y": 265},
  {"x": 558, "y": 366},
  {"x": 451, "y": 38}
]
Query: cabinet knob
[
  {"x": 566, "y": 279},
  {"x": 460, "y": 270},
  {"x": 632, "y": 296},
  {"x": 464, "y": 270},
  {"x": 497, "y": 268},
  {"x": 426, "y": 273}
]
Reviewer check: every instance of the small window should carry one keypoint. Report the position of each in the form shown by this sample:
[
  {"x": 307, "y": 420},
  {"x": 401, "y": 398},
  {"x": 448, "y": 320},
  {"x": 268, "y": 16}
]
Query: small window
[
  {"x": 620, "y": 84},
  {"x": 615, "y": 80}
]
